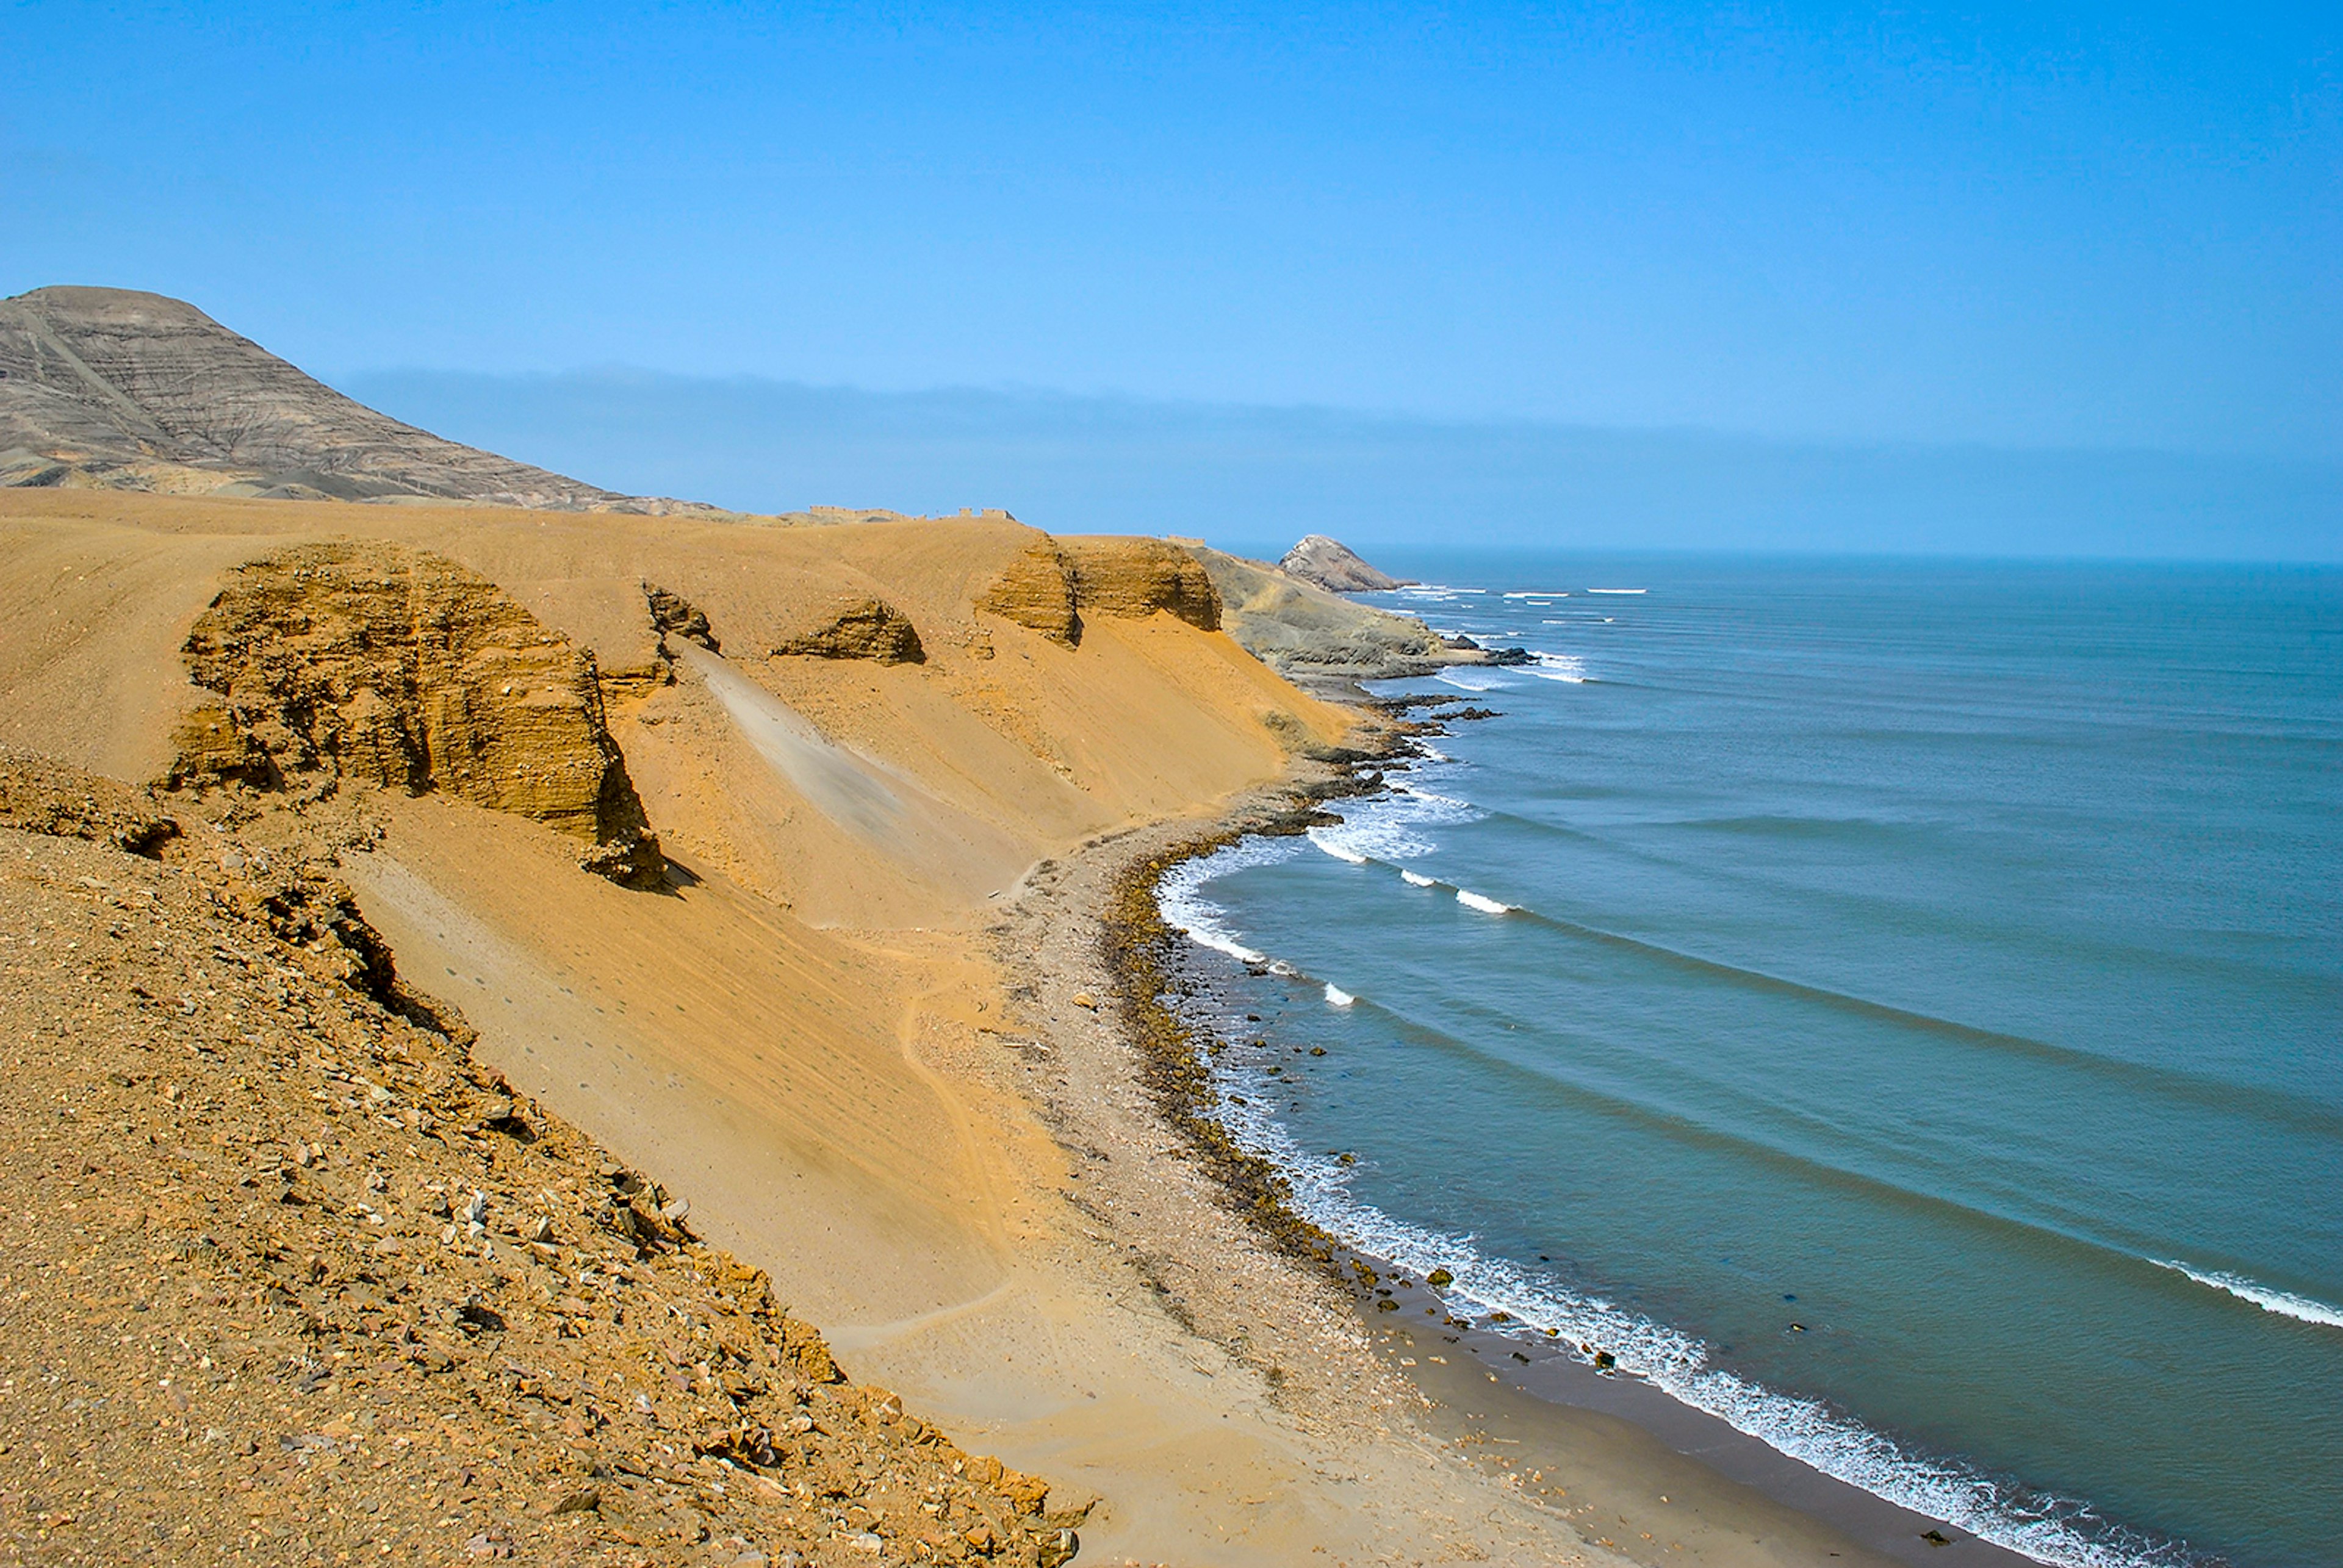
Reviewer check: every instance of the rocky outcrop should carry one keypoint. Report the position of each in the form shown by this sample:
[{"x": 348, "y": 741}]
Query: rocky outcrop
[
  {"x": 1336, "y": 567},
  {"x": 385, "y": 1306},
  {"x": 1308, "y": 634},
  {"x": 116, "y": 388},
  {"x": 1036, "y": 589},
  {"x": 673, "y": 615},
  {"x": 405, "y": 670},
  {"x": 1052, "y": 583},
  {"x": 868, "y": 628},
  {"x": 38, "y": 795},
  {"x": 1137, "y": 577}
]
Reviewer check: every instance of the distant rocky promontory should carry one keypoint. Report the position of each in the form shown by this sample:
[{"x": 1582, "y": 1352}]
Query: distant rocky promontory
[{"x": 1336, "y": 567}]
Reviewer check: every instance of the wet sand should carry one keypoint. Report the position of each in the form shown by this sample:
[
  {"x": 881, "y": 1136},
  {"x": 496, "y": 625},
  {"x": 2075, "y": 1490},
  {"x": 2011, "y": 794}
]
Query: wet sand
[{"x": 1613, "y": 1449}]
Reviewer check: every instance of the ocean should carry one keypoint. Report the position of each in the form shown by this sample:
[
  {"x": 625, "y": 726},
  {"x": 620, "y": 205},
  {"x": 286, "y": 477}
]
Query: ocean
[{"x": 1896, "y": 1007}]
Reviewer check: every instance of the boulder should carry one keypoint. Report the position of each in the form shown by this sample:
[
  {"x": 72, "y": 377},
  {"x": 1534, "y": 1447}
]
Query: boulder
[{"x": 673, "y": 615}]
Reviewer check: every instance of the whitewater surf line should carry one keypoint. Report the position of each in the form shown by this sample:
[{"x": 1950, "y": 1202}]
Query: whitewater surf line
[
  {"x": 1543, "y": 1310},
  {"x": 2285, "y": 1303},
  {"x": 1377, "y": 833},
  {"x": 2053, "y": 1530}
]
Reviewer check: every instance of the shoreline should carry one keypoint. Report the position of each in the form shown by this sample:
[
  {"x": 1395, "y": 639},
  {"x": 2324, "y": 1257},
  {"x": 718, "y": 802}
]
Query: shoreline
[
  {"x": 1401, "y": 1456},
  {"x": 1565, "y": 1421}
]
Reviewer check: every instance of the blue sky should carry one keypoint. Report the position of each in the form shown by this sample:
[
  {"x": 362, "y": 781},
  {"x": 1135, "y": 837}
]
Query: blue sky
[{"x": 1996, "y": 227}]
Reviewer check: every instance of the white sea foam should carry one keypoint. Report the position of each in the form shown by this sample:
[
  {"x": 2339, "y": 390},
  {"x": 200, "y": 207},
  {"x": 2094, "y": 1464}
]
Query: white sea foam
[
  {"x": 1180, "y": 896},
  {"x": 1487, "y": 905},
  {"x": 1325, "y": 839},
  {"x": 2285, "y": 1303},
  {"x": 1678, "y": 1365},
  {"x": 1416, "y": 879},
  {"x": 1471, "y": 680},
  {"x": 1538, "y": 593},
  {"x": 1618, "y": 591},
  {"x": 1672, "y": 1361},
  {"x": 1559, "y": 666}
]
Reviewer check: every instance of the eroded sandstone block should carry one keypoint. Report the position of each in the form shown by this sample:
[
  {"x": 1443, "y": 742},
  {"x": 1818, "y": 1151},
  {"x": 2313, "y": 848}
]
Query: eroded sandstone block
[
  {"x": 866, "y": 628},
  {"x": 1055, "y": 582},
  {"x": 407, "y": 671},
  {"x": 1137, "y": 577},
  {"x": 1036, "y": 589}
]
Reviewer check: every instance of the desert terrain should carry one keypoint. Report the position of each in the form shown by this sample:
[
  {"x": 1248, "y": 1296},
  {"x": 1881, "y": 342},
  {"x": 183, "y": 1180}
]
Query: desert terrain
[{"x": 586, "y": 1030}]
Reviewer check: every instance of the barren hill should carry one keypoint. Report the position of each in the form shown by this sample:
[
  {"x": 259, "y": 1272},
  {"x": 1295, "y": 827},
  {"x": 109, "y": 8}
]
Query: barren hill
[{"x": 119, "y": 389}]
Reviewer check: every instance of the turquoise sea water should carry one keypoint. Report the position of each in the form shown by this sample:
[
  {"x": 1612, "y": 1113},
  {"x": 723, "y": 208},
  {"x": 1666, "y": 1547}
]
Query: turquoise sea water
[{"x": 1896, "y": 1007}]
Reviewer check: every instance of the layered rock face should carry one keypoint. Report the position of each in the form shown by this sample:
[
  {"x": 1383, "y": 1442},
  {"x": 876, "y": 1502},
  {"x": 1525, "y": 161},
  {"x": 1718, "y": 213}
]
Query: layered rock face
[
  {"x": 1335, "y": 566},
  {"x": 1036, "y": 589},
  {"x": 672, "y": 614},
  {"x": 868, "y": 628},
  {"x": 1132, "y": 576},
  {"x": 1054, "y": 582},
  {"x": 122, "y": 389},
  {"x": 405, "y": 670}
]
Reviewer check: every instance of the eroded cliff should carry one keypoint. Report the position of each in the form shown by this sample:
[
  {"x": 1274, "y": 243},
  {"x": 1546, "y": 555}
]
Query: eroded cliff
[
  {"x": 402, "y": 669},
  {"x": 1054, "y": 582}
]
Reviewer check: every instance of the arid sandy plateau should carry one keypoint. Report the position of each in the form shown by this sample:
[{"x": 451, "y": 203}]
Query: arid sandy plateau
[{"x": 743, "y": 881}]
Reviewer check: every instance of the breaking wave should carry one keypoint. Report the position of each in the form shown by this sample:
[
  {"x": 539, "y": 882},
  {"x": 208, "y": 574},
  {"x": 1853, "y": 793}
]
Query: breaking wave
[
  {"x": 1544, "y": 1307},
  {"x": 1180, "y": 895},
  {"x": 2285, "y": 1303},
  {"x": 2049, "y": 1529}
]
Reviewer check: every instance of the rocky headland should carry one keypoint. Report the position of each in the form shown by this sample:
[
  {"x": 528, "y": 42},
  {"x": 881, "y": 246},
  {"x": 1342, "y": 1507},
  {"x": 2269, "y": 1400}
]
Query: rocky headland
[
  {"x": 1335, "y": 566},
  {"x": 1313, "y": 635}
]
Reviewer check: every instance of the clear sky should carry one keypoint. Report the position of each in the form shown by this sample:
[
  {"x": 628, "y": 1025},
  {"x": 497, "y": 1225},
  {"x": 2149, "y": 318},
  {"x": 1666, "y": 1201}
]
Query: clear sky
[{"x": 2024, "y": 225}]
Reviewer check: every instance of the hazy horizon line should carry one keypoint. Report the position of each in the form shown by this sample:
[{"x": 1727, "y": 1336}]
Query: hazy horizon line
[{"x": 1128, "y": 463}]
